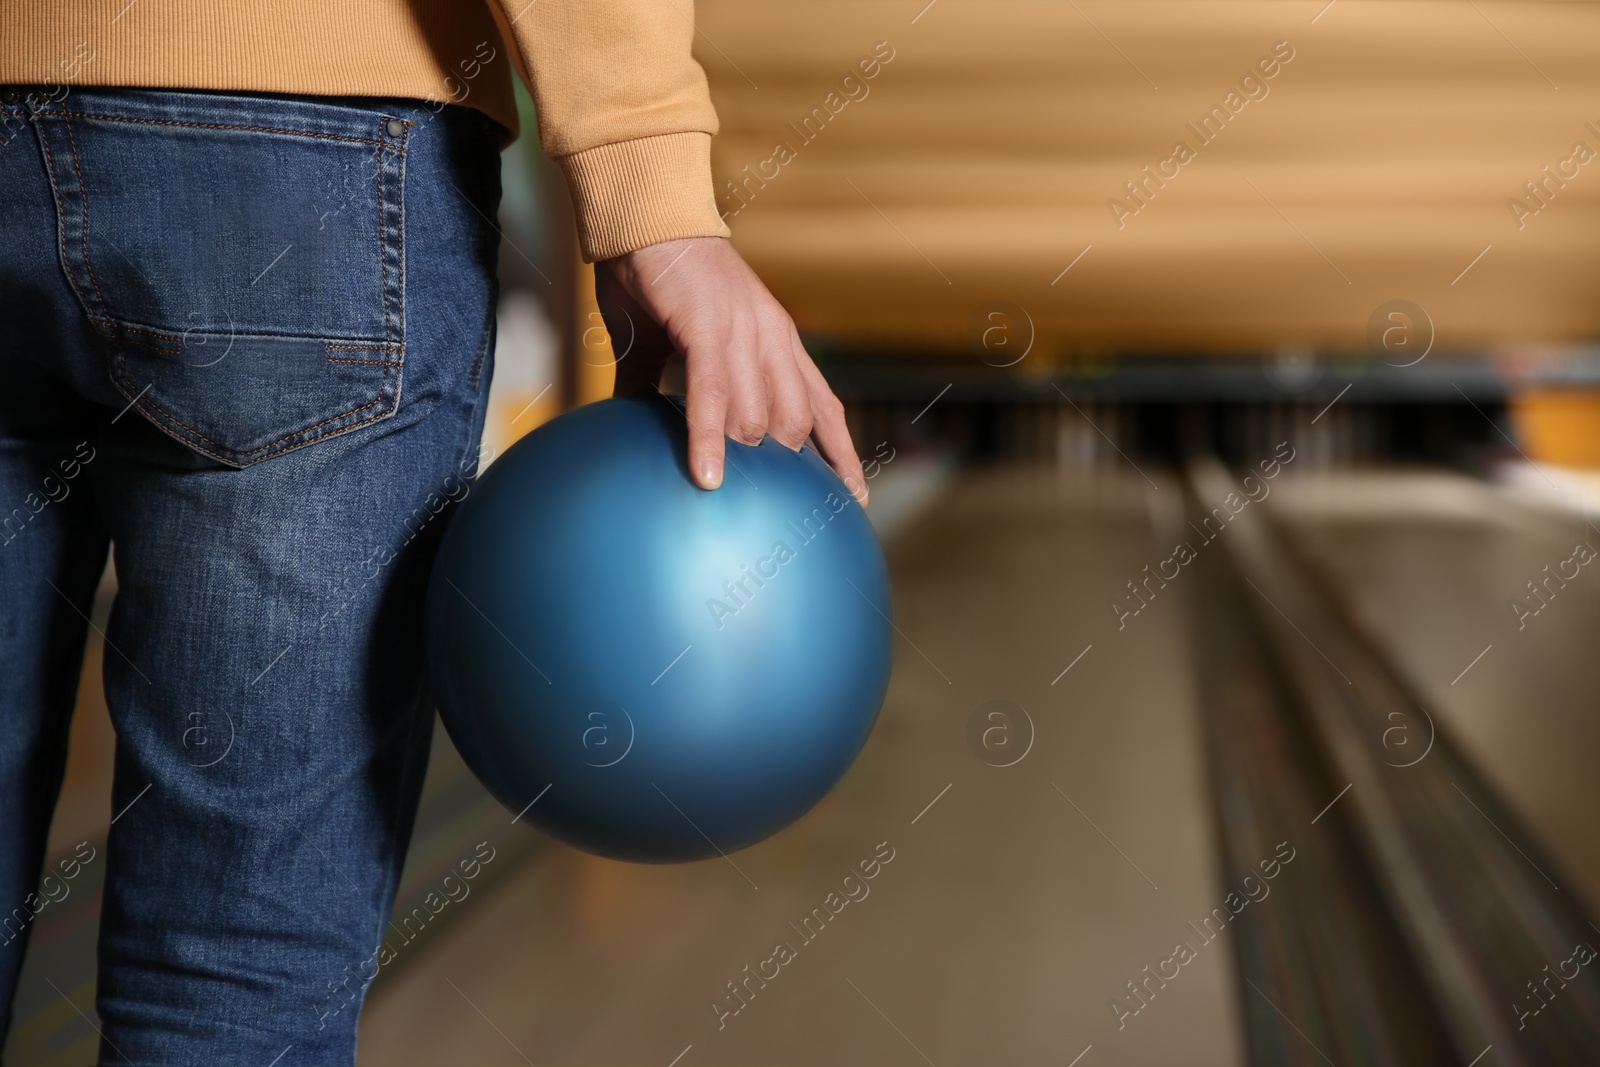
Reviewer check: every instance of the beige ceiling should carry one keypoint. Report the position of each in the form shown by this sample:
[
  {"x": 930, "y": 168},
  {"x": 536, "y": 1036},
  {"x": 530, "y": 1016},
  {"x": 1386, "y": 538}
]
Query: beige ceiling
[{"x": 1377, "y": 167}]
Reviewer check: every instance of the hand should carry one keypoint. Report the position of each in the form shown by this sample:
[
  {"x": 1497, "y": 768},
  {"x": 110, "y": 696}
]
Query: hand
[{"x": 748, "y": 374}]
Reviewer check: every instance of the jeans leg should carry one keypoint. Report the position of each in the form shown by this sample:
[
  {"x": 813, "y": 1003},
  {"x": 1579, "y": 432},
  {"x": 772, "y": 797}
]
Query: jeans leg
[
  {"x": 52, "y": 551},
  {"x": 272, "y": 734},
  {"x": 274, "y": 495},
  {"x": 52, "y": 542}
]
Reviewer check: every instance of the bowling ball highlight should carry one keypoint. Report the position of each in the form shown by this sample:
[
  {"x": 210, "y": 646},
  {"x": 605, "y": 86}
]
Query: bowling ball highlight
[{"x": 647, "y": 670}]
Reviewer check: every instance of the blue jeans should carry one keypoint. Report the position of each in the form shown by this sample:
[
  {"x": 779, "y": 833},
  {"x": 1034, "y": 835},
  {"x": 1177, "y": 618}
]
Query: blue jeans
[{"x": 245, "y": 341}]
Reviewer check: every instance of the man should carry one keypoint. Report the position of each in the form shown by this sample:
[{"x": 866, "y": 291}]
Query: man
[{"x": 246, "y": 318}]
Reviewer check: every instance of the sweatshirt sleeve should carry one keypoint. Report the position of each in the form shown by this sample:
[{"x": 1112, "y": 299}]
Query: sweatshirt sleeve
[{"x": 625, "y": 112}]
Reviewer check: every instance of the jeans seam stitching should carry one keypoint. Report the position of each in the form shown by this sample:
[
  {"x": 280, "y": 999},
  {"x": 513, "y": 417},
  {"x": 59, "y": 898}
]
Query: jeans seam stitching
[
  {"x": 55, "y": 190},
  {"x": 400, "y": 230},
  {"x": 395, "y": 350},
  {"x": 149, "y": 407},
  {"x": 112, "y": 323},
  {"x": 224, "y": 126},
  {"x": 383, "y": 252},
  {"x": 83, "y": 198},
  {"x": 150, "y": 345}
]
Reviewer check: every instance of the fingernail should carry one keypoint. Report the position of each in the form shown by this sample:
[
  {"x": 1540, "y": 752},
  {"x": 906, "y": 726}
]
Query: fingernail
[{"x": 710, "y": 475}]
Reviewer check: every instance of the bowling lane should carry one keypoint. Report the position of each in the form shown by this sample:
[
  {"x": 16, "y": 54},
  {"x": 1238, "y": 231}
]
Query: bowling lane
[
  {"x": 1431, "y": 564},
  {"x": 1009, "y": 904}
]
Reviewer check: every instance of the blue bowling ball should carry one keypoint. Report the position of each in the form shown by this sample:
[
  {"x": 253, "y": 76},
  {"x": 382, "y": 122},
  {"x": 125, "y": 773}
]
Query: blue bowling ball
[{"x": 647, "y": 670}]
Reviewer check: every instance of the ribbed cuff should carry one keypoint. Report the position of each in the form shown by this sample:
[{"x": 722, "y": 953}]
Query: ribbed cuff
[{"x": 641, "y": 192}]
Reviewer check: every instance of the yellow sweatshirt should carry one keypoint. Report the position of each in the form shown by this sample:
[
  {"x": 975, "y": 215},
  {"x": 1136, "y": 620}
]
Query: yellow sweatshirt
[{"x": 623, "y": 107}]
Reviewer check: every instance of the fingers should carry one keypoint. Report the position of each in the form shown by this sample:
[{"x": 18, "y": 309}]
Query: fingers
[
  {"x": 783, "y": 395},
  {"x": 748, "y": 374},
  {"x": 780, "y": 393},
  {"x": 747, "y": 382},
  {"x": 706, "y": 410},
  {"x": 789, "y": 414},
  {"x": 829, "y": 429},
  {"x": 768, "y": 394}
]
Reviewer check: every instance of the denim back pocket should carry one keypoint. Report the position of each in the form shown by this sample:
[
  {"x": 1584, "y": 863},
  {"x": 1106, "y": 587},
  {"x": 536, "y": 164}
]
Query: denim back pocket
[{"x": 243, "y": 257}]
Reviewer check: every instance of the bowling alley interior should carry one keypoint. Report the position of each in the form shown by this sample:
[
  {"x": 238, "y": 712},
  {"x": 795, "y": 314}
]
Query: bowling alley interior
[{"x": 1226, "y": 379}]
